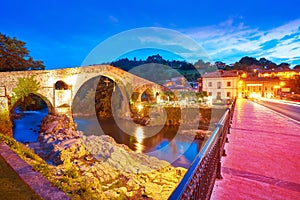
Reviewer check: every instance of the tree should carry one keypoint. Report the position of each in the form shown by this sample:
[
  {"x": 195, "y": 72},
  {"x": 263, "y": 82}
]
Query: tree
[
  {"x": 284, "y": 66},
  {"x": 15, "y": 57},
  {"x": 272, "y": 65},
  {"x": 297, "y": 67},
  {"x": 248, "y": 61},
  {"x": 24, "y": 88},
  {"x": 200, "y": 64},
  {"x": 264, "y": 62}
]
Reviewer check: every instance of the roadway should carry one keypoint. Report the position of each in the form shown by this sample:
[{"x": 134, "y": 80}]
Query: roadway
[
  {"x": 288, "y": 108},
  {"x": 263, "y": 156}
]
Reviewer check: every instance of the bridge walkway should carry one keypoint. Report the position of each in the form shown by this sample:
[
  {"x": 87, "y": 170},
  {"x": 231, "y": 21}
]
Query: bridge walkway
[{"x": 263, "y": 156}]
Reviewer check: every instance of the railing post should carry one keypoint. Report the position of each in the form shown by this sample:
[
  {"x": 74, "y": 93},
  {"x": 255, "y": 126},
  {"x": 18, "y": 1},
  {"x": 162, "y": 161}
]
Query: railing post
[{"x": 220, "y": 151}]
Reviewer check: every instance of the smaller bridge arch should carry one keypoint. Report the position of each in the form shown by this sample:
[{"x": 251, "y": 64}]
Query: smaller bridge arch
[
  {"x": 151, "y": 90},
  {"x": 42, "y": 97},
  {"x": 61, "y": 85}
]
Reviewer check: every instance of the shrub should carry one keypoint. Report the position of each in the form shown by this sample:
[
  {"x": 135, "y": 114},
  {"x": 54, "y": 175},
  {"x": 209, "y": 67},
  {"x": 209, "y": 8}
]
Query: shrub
[{"x": 6, "y": 124}]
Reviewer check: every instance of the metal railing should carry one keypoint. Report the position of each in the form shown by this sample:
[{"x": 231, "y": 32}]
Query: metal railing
[{"x": 198, "y": 182}]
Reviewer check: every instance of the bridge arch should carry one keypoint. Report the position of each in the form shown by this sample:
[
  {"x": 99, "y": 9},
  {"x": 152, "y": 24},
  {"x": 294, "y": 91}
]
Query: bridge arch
[
  {"x": 109, "y": 82},
  {"x": 50, "y": 107},
  {"x": 148, "y": 96},
  {"x": 61, "y": 85},
  {"x": 148, "y": 92}
]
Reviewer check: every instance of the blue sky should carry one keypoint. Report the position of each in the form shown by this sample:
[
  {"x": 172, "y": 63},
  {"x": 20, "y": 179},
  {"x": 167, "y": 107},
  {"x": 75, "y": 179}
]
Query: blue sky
[{"x": 63, "y": 33}]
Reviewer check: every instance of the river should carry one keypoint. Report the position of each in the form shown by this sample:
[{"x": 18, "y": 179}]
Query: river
[
  {"x": 26, "y": 129},
  {"x": 166, "y": 143}
]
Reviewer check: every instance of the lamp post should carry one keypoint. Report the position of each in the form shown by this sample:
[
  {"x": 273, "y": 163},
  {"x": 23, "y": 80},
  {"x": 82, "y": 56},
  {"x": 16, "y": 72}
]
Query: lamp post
[{"x": 281, "y": 84}]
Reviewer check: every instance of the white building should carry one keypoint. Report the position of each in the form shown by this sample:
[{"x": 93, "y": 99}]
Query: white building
[{"x": 220, "y": 85}]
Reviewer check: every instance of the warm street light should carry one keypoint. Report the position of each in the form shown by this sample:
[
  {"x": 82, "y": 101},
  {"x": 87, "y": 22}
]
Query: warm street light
[
  {"x": 282, "y": 83},
  {"x": 240, "y": 84}
]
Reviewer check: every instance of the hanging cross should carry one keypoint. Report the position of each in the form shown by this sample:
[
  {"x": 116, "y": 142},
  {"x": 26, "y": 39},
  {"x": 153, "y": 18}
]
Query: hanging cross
[{"x": 106, "y": 81}]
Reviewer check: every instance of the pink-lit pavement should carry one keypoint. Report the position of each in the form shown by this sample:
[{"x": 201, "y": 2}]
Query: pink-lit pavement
[{"x": 263, "y": 156}]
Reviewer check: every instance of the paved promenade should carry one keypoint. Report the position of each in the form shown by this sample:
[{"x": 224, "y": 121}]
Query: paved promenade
[{"x": 263, "y": 156}]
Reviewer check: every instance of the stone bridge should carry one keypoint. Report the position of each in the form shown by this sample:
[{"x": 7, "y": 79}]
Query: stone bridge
[{"x": 72, "y": 79}]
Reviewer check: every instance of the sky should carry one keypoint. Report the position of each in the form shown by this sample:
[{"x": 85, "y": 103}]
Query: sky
[{"x": 69, "y": 33}]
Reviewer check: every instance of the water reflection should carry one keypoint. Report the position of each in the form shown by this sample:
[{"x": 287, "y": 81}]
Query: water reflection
[
  {"x": 168, "y": 143},
  {"x": 139, "y": 134}
]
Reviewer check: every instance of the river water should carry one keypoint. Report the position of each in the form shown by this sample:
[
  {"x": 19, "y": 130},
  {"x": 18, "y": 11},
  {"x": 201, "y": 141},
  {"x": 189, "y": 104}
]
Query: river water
[
  {"x": 166, "y": 143},
  {"x": 26, "y": 128}
]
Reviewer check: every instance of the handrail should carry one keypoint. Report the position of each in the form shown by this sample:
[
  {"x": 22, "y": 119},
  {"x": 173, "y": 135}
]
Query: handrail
[{"x": 198, "y": 181}]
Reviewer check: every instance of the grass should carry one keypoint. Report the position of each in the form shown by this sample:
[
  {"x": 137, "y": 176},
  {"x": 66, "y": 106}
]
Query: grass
[
  {"x": 11, "y": 185},
  {"x": 71, "y": 182}
]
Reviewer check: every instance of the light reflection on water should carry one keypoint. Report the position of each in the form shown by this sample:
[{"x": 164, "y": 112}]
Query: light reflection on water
[{"x": 139, "y": 134}]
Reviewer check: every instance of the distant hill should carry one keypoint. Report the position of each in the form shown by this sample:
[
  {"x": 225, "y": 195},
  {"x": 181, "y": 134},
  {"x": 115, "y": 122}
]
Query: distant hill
[{"x": 158, "y": 69}]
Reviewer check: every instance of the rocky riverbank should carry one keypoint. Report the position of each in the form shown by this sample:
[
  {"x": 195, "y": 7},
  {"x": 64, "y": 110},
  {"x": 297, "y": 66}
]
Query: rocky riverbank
[{"x": 97, "y": 167}]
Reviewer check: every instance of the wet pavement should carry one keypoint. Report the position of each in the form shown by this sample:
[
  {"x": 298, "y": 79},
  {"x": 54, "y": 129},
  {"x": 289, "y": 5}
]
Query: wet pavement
[{"x": 263, "y": 156}]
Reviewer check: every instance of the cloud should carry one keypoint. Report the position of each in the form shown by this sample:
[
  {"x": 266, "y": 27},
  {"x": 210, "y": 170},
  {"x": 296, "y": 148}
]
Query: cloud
[
  {"x": 230, "y": 40},
  {"x": 113, "y": 19}
]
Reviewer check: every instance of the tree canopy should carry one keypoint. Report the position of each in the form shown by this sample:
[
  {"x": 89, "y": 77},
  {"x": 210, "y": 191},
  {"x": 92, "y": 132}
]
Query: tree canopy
[
  {"x": 263, "y": 63},
  {"x": 14, "y": 56},
  {"x": 24, "y": 88}
]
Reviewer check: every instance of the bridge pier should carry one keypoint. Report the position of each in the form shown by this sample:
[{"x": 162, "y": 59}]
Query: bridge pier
[{"x": 63, "y": 102}]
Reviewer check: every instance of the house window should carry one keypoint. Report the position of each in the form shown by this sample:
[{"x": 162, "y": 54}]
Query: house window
[
  {"x": 228, "y": 83},
  {"x": 219, "y": 95},
  {"x": 266, "y": 88},
  {"x": 210, "y": 94},
  {"x": 219, "y": 84},
  {"x": 209, "y": 84},
  {"x": 228, "y": 94}
]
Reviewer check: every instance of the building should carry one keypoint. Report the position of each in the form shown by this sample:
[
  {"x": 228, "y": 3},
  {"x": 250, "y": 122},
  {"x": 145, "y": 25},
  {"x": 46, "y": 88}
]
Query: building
[
  {"x": 223, "y": 85},
  {"x": 180, "y": 84},
  {"x": 220, "y": 85},
  {"x": 282, "y": 74},
  {"x": 268, "y": 83},
  {"x": 257, "y": 87}
]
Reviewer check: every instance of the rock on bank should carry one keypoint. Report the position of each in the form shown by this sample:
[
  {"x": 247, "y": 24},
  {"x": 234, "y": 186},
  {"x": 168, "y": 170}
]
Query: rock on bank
[{"x": 100, "y": 168}]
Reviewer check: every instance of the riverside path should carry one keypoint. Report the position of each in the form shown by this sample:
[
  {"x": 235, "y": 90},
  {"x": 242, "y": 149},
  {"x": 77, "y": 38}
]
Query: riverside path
[{"x": 263, "y": 156}]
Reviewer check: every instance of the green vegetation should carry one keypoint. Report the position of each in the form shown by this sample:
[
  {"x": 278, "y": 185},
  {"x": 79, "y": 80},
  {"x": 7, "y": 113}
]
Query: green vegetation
[
  {"x": 24, "y": 88},
  {"x": 164, "y": 69},
  {"x": 15, "y": 56},
  {"x": 69, "y": 181},
  {"x": 28, "y": 155},
  {"x": 11, "y": 186},
  {"x": 6, "y": 124}
]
